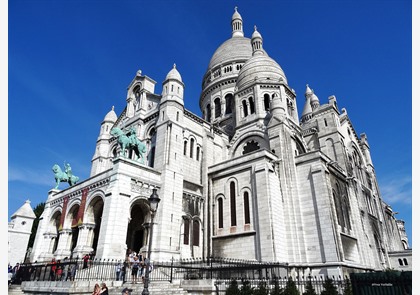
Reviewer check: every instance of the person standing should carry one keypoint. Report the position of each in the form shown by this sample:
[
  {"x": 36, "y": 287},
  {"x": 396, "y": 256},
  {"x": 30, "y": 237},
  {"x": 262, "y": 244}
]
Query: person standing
[
  {"x": 85, "y": 261},
  {"x": 118, "y": 269},
  {"x": 58, "y": 271},
  {"x": 124, "y": 269},
  {"x": 53, "y": 269},
  {"x": 134, "y": 269}
]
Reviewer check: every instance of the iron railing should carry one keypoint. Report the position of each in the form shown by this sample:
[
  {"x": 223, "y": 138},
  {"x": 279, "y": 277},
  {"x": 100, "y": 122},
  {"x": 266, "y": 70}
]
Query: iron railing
[{"x": 221, "y": 270}]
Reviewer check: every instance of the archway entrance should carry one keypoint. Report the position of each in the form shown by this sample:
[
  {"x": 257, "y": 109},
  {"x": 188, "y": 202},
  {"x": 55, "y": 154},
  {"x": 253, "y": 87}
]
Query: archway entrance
[
  {"x": 136, "y": 232},
  {"x": 74, "y": 226}
]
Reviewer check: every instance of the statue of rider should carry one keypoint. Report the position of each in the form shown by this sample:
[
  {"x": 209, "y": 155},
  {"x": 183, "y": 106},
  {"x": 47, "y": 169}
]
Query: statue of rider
[
  {"x": 131, "y": 134},
  {"x": 67, "y": 169}
]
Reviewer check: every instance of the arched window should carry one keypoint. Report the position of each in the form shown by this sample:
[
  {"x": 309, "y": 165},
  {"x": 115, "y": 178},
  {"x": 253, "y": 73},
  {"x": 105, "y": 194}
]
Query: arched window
[
  {"x": 229, "y": 102},
  {"x": 208, "y": 113},
  {"x": 232, "y": 204},
  {"x": 346, "y": 212},
  {"x": 186, "y": 232},
  {"x": 196, "y": 233},
  {"x": 198, "y": 153},
  {"x": 217, "y": 108},
  {"x": 245, "y": 108},
  {"x": 246, "y": 208},
  {"x": 152, "y": 157},
  {"x": 405, "y": 261},
  {"x": 191, "y": 147},
  {"x": 220, "y": 211},
  {"x": 185, "y": 147},
  {"x": 251, "y": 105},
  {"x": 250, "y": 147},
  {"x": 266, "y": 102},
  {"x": 337, "y": 204},
  {"x": 400, "y": 262}
]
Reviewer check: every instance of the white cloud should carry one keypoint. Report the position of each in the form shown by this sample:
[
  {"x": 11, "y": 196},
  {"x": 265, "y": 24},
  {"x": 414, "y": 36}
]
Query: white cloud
[{"x": 397, "y": 190}]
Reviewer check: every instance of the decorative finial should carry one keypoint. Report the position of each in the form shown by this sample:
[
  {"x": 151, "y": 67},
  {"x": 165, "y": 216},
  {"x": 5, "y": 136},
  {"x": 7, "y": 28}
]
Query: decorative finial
[
  {"x": 255, "y": 28},
  {"x": 139, "y": 73},
  {"x": 307, "y": 85},
  {"x": 174, "y": 65},
  {"x": 112, "y": 107},
  {"x": 236, "y": 8}
]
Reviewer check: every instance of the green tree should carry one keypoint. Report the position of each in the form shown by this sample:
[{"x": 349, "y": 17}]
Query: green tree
[
  {"x": 329, "y": 288},
  {"x": 246, "y": 288},
  {"x": 290, "y": 288},
  {"x": 347, "y": 287},
  {"x": 262, "y": 289},
  {"x": 38, "y": 210},
  {"x": 233, "y": 288},
  {"x": 276, "y": 290},
  {"x": 309, "y": 288}
]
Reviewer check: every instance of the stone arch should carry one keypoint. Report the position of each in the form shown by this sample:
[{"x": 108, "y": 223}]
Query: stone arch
[
  {"x": 53, "y": 227},
  {"x": 330, "y": 149},
  {"x": 72, "y": 223},
  {"x": 229, "y": 103},
  {"x": 93, "y": 217},
  {"x": 241, "y": 143},
  {"x": 138, "y": 226},
  {"x": 150, "y": 139}
]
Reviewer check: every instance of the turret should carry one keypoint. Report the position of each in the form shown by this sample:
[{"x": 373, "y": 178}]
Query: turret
[
  {"x": 102, "y": 153},
  {"x": 173, "y": 87},
  {"x": 237, "y": 24},
  {"x": 307, "y": 109}
]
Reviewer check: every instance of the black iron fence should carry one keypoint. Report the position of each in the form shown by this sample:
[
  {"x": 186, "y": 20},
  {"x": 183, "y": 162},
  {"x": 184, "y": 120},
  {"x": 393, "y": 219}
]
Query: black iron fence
[
  {"x": 107, "y": 269},
  {"x": 223, "y": 271}
]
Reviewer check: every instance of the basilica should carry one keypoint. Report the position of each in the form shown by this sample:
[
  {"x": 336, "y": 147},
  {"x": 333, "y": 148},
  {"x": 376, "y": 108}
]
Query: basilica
[{"x": 249, "y": 178}]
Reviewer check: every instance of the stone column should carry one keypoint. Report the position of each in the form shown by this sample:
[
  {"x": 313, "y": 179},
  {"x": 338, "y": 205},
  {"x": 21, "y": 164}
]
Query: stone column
[
  {"x": 84, "y": 244},
  {"x": 63, "y": 244}
]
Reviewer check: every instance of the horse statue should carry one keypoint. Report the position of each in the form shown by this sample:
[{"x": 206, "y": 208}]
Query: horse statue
[
  {"x": 130, "y": 142},
  {"x": 66, "y": 176}
]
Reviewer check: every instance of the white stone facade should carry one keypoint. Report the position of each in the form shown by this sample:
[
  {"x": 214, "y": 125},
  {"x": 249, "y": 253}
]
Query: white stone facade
[
  {"x": 250, "y": 179},
  {"x": 19, "y": 232}
]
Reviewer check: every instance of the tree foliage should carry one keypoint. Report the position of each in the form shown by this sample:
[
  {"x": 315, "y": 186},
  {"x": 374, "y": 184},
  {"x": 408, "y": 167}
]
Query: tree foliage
[
  {"x": 329, "y": 287},
  {"x": 233, "y": 288},
  {"x": 38, "y": 210},
  {"x": 262, "y": 289},
  {"x": 276, "y": 290},
  {"x": 290, "y": 288},
  {"x": 347, "y": 287},
  {"x": 246, "y": 288},
  {"x": 309, "y": 288}
]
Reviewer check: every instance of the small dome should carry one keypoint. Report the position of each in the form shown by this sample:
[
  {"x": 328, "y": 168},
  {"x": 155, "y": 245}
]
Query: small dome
[
  {"x": 236, "y": 15},
  {"x": 174, "y": 74},
  {"x": 256, "y": 34},
  {"x": 236, "y": 48},
  {"x": 111, "y": 116},
  {"x": 261, "y": 68}
]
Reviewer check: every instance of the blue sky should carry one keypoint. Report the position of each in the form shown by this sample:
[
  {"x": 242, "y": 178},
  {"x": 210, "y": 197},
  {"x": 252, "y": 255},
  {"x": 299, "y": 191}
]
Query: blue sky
[{"x": 69, "y": 62}]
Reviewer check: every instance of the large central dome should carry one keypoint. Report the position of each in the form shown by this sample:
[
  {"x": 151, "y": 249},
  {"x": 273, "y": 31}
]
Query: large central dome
[{"x": 235, "y": 48}]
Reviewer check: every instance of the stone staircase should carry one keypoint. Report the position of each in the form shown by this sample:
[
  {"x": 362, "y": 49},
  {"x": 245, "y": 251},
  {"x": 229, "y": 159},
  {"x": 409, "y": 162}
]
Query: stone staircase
[
  {"x": 15, "y": 290},
  {"x": 155, "y": 288}
]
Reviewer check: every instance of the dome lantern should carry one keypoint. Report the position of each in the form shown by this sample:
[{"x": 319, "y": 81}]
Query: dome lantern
[{"x": 237, "y": 24}]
